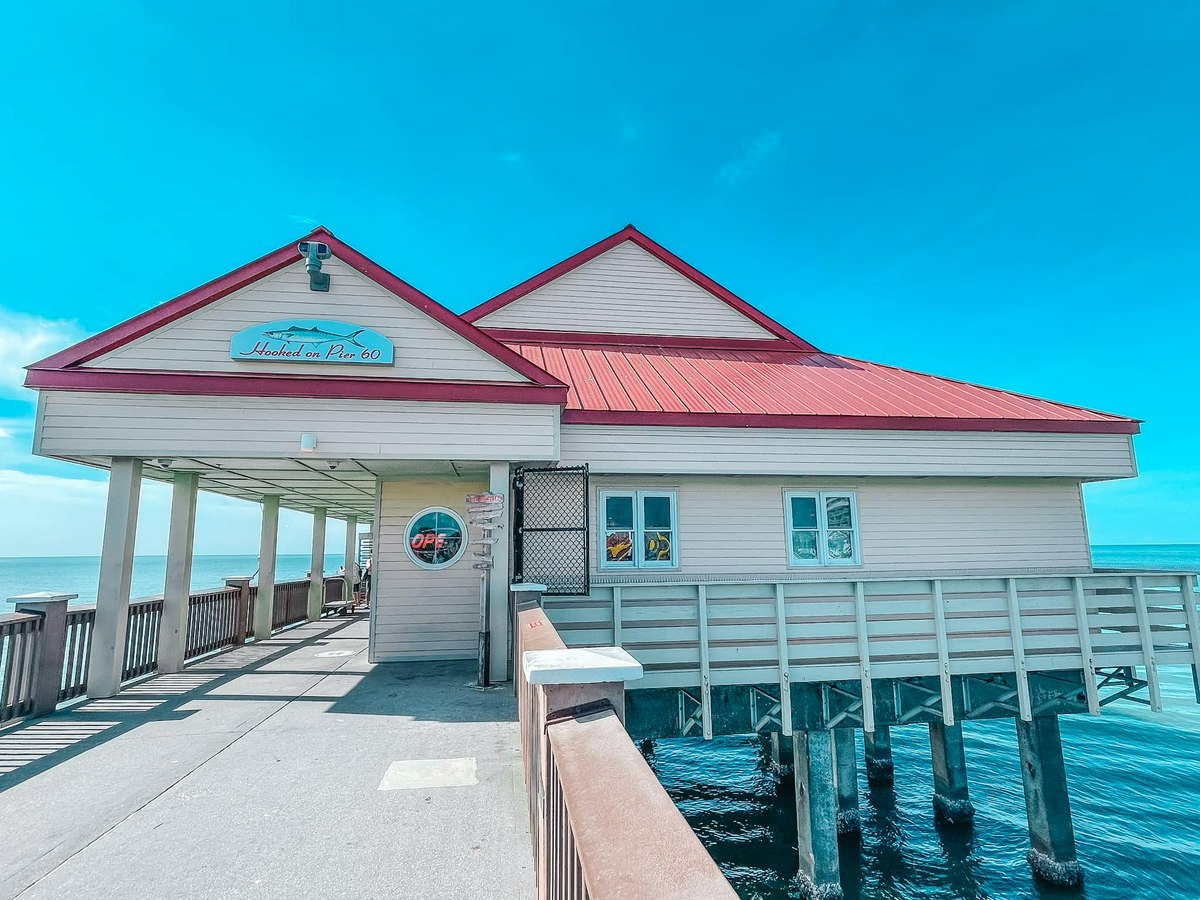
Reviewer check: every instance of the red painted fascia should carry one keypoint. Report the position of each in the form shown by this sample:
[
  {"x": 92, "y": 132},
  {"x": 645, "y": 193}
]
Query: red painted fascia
[
  {"x": 870, "y": 423},
  {"x": 340, "y": 387},
  {"x": 629, "y": 233},
  {"x": 612, "y": 339},
  {"x": 200, "y": 297}
]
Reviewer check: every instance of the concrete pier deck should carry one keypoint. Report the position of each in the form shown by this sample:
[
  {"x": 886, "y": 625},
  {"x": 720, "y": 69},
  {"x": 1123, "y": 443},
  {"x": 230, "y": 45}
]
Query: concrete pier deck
[{"x": 282, "y": 769}]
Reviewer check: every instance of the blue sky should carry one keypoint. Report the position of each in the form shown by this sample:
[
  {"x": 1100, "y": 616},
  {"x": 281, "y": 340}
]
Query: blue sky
[{"x": 1001, "y": 192}]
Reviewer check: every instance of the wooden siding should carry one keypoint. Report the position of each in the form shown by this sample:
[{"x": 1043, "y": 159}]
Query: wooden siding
[
  {"x": 83, "y": 423},
  {"x": 422, "y": 614},
  {"x": 736, "y": 527},
  {"x": 626, "y": 290},
  {"x": 783, "y": 451},
  {"x": 200, "y": 342}
]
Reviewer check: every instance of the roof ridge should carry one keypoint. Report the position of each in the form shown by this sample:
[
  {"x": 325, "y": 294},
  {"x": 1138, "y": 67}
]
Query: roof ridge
[{"x": 648, "y": 244}]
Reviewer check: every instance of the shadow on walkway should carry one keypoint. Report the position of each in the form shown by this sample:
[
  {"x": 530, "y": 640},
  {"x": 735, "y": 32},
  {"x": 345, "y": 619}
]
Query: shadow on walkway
[{"x": 277, "y": 671}]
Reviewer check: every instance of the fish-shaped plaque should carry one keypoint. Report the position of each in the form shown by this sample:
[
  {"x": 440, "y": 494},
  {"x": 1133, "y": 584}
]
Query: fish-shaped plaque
[{"x": 312, "y": 341}]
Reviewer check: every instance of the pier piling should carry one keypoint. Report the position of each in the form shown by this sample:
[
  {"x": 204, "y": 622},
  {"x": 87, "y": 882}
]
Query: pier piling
[
  {"x": 1043, "y": 774},
  {"x": 816, "y": 814},
  {"x": 779, "y": 750},
  {"x": 847, "y": 781},
  {"x": 951, "y": 800},
  {"x": 877, "y": 748}
]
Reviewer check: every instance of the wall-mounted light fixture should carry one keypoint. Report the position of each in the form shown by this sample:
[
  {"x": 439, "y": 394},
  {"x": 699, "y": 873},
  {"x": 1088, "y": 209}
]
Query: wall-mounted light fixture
[{"x": 308, "y": 443}]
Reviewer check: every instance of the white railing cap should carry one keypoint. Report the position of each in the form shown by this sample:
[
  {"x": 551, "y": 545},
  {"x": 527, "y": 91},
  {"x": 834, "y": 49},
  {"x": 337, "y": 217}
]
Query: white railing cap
[
  {"x": 527, "y": 586},
  {"x": 579, "y": 665},
  {"x": 41, "y": 595}
]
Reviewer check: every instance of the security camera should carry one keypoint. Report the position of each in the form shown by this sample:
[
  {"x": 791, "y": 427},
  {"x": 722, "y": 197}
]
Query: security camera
[
  {"x": 314, "y": 252},
  {"x": 333, "y": 464},
  {"x": 314, "y": 249}
]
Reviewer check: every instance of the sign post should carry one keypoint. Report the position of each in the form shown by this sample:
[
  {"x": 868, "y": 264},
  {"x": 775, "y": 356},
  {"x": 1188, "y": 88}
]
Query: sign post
[{"x": 485, "y": 513}]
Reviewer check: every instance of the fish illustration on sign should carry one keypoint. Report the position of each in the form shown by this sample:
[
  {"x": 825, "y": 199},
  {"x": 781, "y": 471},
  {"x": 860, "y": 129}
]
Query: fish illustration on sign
[
  {"x": 298, "y": 334},
  {"x": 311, "y": 341}
]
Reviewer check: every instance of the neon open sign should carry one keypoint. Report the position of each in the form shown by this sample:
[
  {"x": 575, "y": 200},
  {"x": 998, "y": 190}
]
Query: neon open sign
[{"x": 312, "y": 341}]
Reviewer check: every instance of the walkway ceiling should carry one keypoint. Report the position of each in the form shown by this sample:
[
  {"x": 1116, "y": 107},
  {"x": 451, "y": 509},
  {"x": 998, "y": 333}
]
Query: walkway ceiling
[{"x": 345, "y": 487}]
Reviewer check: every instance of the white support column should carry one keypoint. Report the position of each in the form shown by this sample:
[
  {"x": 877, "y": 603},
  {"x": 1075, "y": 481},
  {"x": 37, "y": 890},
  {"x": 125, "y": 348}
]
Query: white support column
[
  {"x": 351, "y": 554},
  {"x": 116, "y": 572},
  {"x": 498, "y": 579},
  {"x": 316, "y": 575},
  {"x": 172, "y": 633},
  {"x": 264, "y": 602}
]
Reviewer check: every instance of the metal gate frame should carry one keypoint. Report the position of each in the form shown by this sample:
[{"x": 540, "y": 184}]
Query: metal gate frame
[{"x": 562, "y": 588}]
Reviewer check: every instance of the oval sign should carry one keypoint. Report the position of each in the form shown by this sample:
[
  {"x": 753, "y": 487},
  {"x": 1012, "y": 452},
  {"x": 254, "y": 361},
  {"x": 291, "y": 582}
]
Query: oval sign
[{"x": 312, "y": 341}]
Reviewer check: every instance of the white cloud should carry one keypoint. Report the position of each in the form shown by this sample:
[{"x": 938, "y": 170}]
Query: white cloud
[
  {"x": 750, "y": 161},
  {"x": 25, "y": 339},
  {"x": 56, "y": 515}
]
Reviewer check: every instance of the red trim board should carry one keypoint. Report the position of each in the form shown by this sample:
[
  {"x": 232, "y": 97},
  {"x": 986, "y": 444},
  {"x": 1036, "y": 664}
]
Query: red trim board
[
  {"x": 342, "y": 387},
  {"x": 866, "y": 423}
]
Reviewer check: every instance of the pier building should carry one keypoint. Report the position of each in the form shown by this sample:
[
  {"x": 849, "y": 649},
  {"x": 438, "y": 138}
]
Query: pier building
[{"x": 765, "y": 536}]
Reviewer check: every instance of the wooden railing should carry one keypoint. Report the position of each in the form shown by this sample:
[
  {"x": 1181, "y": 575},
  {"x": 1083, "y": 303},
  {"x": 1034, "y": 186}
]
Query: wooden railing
[
  {"x": 20, "y": 643},
  {"x": 77, "y": 652},
  {"x": 602, "y": 826},
  {"x": 291, "y": 604},
  {"x": 703, "y": 634},
  {"x": 216, "y": 619},
  {"x": 141, "y": 639}
]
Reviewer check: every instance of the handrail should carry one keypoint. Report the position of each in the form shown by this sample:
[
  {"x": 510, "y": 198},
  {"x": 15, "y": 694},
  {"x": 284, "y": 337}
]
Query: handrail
[
  {"x": 216, "y": 619},
  {"x": 851, "y": 627},
  {"x": 602, "y": 826}
]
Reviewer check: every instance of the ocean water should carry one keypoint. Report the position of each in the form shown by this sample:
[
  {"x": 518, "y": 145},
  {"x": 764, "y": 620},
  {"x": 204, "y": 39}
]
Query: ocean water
[
  {"x": 80, "y": 574},
  {"x": 1134, "y": 779}
]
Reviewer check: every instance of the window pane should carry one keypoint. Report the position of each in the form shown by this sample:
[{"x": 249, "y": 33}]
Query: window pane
[
  {"x": 618, "y": 546},
  {"x": 841, "y": 545},
  {"x": 618, "y": 512},
  {"x": 435, "y": 538},
  {"x": 659, "y": 547},
  {"x": 656, "y": 512},
  {"x": 804, "y": 544},
  {"x": 837, "y": 512},
  {"x": 804, "y": 512}
]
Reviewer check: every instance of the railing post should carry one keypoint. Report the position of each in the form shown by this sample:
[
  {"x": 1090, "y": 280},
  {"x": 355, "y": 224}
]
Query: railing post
[
  {"x": 563, "y": 680},
  {"x": 242, "y": 583},
  {"x": 525, "y": 595},
  {"x": 48, "y": 674}
]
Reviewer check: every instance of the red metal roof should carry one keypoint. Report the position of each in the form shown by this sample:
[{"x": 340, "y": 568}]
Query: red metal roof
[{"x": 622, "y": 382}]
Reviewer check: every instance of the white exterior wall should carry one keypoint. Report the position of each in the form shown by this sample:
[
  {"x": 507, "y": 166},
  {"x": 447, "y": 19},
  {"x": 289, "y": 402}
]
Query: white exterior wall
[
  {"x": 88, "y": 423},
  {"x": 736, "y": 526},
  {"x": 200, "y": 342},
  {"x": 627, "y": 291},
  {"x": 421, "y": 613},
  {"x": 785, "y": 451}
]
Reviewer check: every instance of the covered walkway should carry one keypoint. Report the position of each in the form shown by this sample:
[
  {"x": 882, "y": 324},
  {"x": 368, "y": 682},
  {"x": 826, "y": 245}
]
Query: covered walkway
[{"x": 282, "y": 769}]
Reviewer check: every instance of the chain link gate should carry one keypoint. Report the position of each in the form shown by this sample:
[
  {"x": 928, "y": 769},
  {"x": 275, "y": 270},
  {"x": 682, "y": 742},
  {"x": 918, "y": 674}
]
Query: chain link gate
[{"x": 551, "y": 532}]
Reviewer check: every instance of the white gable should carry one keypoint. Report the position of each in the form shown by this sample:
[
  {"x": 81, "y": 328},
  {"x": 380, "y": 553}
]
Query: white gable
[
  {"x": 199, "y": 342},
  {"x": 625, "y": 290}
]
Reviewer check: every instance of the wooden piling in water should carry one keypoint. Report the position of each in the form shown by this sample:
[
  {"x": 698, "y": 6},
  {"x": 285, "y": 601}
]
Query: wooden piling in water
[{"x": 1052, "y": 853}]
